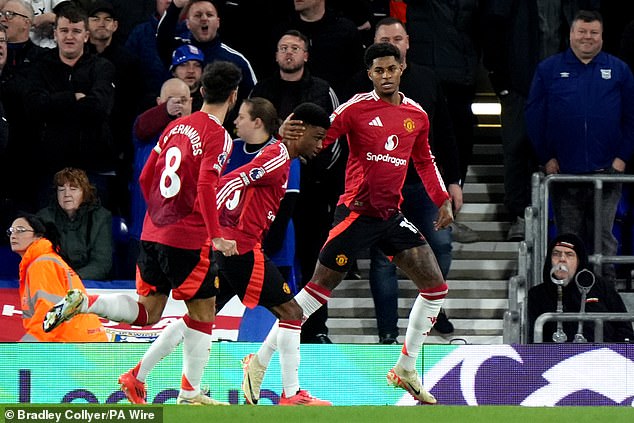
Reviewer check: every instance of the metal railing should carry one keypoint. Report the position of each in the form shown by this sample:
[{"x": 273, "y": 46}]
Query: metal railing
[
  {"x": 597, "y": 318},
  {"x": 532, "y": 251}
]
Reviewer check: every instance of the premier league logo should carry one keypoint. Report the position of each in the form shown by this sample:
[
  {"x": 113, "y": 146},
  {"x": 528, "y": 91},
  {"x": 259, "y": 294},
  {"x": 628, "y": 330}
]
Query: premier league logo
[{"x": 256, "y": 173}]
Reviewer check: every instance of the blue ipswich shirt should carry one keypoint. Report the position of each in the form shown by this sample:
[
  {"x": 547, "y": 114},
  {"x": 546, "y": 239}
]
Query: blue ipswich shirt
[
  {"x": 582, "y": 115},
  {"x": 240, "y": 156}
]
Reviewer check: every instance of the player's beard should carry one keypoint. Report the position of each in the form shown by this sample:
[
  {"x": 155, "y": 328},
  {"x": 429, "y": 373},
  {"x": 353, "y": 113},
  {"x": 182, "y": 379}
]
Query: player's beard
[{"x": 292, "y": 68}]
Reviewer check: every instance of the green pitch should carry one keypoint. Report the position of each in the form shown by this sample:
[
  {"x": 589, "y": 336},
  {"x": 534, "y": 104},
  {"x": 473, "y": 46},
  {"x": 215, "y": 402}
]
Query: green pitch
[{"x": 371, "y": 414}]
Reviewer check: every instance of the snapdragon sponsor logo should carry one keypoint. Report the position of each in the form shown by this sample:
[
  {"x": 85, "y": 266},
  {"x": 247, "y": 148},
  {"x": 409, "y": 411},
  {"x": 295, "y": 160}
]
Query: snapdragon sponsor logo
[{"x": 396, "y": 161}]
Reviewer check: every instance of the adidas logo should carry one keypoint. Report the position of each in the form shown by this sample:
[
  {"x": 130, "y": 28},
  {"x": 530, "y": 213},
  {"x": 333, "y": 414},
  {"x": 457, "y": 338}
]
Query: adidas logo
[{"x": 376, "y": 122}]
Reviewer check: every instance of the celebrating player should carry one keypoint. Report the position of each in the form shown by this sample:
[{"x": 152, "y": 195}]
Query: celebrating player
[
  {"x": 248, "y": 201},
  {"x": 179, "y": 184},
  {"x": 384, "y": 129}
]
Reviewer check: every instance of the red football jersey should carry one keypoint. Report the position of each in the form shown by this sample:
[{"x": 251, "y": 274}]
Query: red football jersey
[
  {"x": 382, "y": 137},
  {"x": 249, "y": 197},
  {"x": 185, "y": 164}
]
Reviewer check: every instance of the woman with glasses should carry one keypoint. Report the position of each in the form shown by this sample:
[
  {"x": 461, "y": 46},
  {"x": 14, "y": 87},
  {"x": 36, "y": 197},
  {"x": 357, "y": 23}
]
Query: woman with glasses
[
  {"x": 44, "y": 280},
  {"x": 85, "y": 226}
]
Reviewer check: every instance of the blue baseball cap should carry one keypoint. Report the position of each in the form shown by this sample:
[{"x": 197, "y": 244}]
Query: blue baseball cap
[{"x": 185, "y": 53}]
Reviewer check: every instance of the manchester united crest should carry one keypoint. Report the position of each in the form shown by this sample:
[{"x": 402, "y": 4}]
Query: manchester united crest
[
  {"x": 341, "y": 260},
  {"x": 409, "y": 125}
]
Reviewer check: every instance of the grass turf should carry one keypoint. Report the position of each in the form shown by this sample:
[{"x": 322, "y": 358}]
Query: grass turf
[{"x": 367, "y": 414}]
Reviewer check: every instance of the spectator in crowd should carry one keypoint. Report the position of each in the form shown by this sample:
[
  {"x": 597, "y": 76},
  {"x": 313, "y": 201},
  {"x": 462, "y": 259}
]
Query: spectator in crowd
[
  {"x": 368, "y": 211},
  {"x": 359, "y": 12},
  {"x": 331, "y": 39},
  {"x": 43, "y": 22},
  {"x": 187, "y": 65},
  {"x": 4, "y": 125},
  {"x": 179, "y": 231},
  {"x": 514, "y": 42},
  {"x": 70, "y": 99},
  {"x": 259, "y": 16},
  {"x": 256, "y": 126},
  {"x": 174, "y": 101},
  {"x": 142, "y": 43},
  {"x": 44, "y": 279},
  {"x": 203, "y": 22},
  {"x": 565, "y": 259},
  {"x": 21, "y": 55},
  {"x": 580, "y": 119},
  {"x": 321, "y": 179},
  {"x": 423, "y": 86},
  {"x": 102, "y": 25},
  {"x": 85, "y": 226},
  {"x": 444, "y": 36}
]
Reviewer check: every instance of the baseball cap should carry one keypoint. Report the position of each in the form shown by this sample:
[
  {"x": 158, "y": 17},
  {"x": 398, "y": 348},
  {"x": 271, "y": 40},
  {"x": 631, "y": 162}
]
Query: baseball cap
[
  {"x": 185, "y": 53},
  {"x": 102, "y": 6}
]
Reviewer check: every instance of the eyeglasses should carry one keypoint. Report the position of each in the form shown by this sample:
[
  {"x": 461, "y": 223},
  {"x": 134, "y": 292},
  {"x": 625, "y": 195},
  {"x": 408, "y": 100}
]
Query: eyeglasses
[
  {"x": 18, "y": 230},
  {"x": 292, "y": 49},
  {"x": 10, "y": 15},
  {"x": 559, "y": 254}
]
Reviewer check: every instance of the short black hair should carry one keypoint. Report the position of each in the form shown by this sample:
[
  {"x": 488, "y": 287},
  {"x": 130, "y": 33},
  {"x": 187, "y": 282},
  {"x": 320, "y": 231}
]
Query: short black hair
[
  {"x": 388, "y": 20},
  {"x": 380, "y": 50},
  {"x": 72, "y": 12},
  {"x": 42, "y": 228},
  {"x": 588, "y": 16},
  {"x": 296, "y": 33},
  {"x": 312, "y": 114},
  {"x": 219, "y": 79}
]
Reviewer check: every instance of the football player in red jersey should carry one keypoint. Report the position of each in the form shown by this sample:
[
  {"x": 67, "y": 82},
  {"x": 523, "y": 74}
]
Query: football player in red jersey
[
  {"x": 248, "y": 201},
  {"x": 384, "y": 130},
  {"x": 179, "y": 183}
]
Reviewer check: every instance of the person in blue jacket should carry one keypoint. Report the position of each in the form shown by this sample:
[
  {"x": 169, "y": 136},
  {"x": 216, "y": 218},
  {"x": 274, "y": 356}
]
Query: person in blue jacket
[{"x": 580, "y": 119}]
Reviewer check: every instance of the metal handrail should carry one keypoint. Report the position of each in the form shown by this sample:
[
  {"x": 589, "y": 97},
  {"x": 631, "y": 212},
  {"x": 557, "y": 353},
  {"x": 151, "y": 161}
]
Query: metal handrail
[
  {"x": 598, "y": 179},
  {"x": 597, "y": 318},
  {"x": 532, "y": 251}
]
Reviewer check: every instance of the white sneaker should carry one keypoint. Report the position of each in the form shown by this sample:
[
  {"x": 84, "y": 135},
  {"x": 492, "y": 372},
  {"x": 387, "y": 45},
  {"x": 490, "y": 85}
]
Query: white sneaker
[
  {"x": 409, "y": 380},
  {"x": 200, "y": 399},
  {"x": 64, "y": 310},
  {"x": 252, "y": 379}
]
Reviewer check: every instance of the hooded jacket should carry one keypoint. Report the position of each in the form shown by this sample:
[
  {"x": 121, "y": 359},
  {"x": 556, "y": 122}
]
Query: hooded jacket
[
  {"x": 44, "y": 280},
  {"x": 602, "y": 297}
]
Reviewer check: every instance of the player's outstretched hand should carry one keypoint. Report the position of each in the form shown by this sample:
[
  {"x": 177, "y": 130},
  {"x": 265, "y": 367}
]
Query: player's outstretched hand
[
  {"x": 445, "y": 216},
  {"x": 228, "y": 247},
  {"x": 292, "y": 129}
]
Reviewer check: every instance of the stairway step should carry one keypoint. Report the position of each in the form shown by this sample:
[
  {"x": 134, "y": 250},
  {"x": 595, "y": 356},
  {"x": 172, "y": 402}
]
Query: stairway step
[
  {"x": 487, "y": 250},
  {"x": 483, "y": 193},
  {"x": 485, "y": 173},
  {"x": 482, "y": 212},
  {"x": 484, "y": 154},
  {"x": 486, "y": 269},
  {"x": 489, "y": 231},
  {"x": 460, "y": 325},
  {"x": 407, "y": 289},
  {"x": 478, "y": 308},
  {"x": 431, "y": 340}
]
